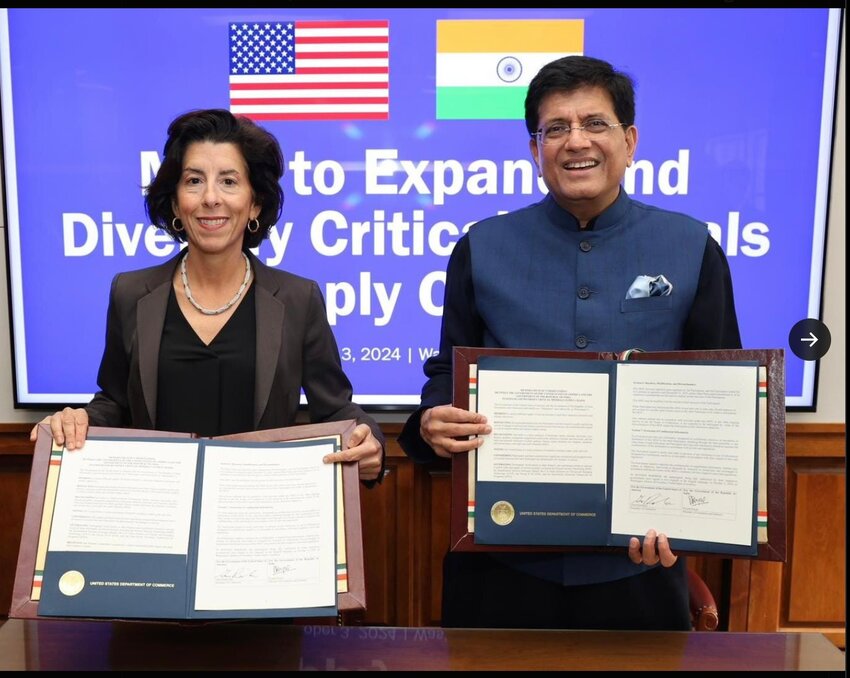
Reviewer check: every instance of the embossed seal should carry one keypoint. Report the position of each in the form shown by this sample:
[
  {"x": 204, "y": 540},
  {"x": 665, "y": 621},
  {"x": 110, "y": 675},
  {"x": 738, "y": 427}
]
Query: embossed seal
[
  {"x": 72, "y": 582},
  {"x": 502, "y": 513}
]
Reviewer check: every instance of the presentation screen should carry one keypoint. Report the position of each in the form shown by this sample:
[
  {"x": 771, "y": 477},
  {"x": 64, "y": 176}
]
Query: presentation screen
[{"x": 400, "y": 129}]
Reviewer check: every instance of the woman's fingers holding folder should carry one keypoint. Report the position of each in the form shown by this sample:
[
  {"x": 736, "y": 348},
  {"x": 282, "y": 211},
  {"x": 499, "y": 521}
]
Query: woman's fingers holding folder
[
  {"x": 69, "y": 427},
  {"x": 449, "y": 430},
  {"x": 363, "y": 448}
]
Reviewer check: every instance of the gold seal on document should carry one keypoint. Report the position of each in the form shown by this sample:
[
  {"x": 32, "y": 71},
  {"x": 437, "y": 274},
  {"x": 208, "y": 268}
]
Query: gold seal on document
[
  {"x": 502, "y": 513},
  {"x": 72, "y": 582}
]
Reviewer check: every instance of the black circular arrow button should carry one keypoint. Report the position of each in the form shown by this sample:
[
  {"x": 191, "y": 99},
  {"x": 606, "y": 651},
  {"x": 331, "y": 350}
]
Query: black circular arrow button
[{"x": 809, "y": 339}]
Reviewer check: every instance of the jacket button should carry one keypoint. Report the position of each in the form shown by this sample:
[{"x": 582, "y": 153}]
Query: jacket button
[
  {"x": 581, "y": 341},
  {"x": 583, "y": 293},
  {"x": 585, "y": 246}
]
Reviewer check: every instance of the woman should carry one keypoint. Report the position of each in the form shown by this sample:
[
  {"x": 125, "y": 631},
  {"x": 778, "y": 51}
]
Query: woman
[{"x": 213, "y": 341}]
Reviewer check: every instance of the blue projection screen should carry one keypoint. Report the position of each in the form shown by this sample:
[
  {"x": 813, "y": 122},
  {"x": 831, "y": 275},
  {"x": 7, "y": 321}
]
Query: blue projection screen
[{"x": 413, "y": 133}]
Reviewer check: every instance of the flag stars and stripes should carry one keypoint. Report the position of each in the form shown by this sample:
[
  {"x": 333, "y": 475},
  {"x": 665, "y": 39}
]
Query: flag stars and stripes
[
  {"x": 262, "y": 49},
  {"x": 310, "y": 70}
]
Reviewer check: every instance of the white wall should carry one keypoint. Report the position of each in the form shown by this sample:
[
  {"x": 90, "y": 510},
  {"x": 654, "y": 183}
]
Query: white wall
[
  {"x": 831, "y": 382},
  {"x": 831, "y": 403}
]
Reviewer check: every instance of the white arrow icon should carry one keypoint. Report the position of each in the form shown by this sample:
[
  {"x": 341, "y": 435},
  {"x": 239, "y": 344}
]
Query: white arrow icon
[{"x": 813, "y": 339}]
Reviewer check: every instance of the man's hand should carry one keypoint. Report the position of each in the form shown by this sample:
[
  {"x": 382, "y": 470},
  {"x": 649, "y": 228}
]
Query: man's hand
[
  {"x": 656, "y": 549},
  {"x": 441, "y": 427}
]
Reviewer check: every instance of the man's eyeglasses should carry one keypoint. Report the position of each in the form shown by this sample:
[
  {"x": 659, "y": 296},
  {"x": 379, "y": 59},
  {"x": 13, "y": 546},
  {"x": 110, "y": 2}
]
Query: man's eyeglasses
[{"x": 557, "y": 132}]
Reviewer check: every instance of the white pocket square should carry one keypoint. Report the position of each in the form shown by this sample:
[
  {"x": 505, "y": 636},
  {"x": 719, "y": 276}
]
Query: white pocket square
[{"x": 649, "y": 286}]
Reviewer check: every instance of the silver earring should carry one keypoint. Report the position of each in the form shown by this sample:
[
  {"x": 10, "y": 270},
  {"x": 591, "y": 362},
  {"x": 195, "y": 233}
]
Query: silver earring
[
  {"x": 256, "y": 225},
  {"x": 174, "y": 228}
]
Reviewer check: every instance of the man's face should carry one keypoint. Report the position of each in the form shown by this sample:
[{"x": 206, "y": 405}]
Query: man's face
[{"x": 582, "y": 171}]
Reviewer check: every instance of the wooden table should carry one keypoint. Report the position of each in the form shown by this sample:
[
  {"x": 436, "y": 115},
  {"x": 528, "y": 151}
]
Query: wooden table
[{"x": 107, "y": 645}]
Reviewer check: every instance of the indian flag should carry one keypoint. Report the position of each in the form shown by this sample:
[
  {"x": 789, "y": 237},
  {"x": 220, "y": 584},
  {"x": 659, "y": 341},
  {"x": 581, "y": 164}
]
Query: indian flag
[{"x": 484, "y": 67}]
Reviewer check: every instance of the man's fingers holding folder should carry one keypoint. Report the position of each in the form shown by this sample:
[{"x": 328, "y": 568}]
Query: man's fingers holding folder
[
  {"x": 449, "y": 430},
  {"x": 656, "y": 548}
]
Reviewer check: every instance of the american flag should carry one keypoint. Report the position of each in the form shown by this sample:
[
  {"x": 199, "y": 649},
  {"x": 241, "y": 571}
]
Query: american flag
[{"x": 310, "y": 70}]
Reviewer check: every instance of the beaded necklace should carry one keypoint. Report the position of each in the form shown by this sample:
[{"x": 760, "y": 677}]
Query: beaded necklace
[{"x": 217, "y": 311}]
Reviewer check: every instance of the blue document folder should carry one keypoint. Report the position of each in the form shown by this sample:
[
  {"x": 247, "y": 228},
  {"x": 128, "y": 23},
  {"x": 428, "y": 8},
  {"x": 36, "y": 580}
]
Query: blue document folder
[
  {"x": 138, "y": 583},
  {"x": 515, "y": 506}
]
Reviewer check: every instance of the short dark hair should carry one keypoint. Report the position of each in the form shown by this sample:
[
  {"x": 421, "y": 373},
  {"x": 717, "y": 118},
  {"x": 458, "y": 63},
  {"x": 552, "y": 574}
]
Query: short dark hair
[
  {"x": 259, "y": 148},
  {"x": 570, "y": 73}
]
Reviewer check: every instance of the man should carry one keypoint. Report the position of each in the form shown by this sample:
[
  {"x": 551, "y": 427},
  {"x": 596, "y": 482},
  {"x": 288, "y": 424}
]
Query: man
[{"x": 557, "y": 275}]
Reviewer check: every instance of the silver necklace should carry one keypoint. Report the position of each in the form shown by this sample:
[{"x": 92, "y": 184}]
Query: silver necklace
[{"x": 217, "y": 311}]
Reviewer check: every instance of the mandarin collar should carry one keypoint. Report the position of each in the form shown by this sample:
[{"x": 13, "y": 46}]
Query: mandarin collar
[{"x": 608, "y": 218}]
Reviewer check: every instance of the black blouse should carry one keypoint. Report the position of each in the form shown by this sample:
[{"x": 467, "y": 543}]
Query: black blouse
[{"x": 207, "y": 389}]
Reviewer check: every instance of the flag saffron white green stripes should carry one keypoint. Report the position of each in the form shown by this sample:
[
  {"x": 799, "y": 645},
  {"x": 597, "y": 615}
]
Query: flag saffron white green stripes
[{"x": 484, "y": 67}]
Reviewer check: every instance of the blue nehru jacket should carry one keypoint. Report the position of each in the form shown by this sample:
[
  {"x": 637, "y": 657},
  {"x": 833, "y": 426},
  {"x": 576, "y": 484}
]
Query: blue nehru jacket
[{"x": 541, "y": 282}]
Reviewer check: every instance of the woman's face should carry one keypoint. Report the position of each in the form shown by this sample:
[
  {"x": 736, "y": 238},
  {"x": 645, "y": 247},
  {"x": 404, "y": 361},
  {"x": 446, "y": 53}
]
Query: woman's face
[{"x": 214, "y": 199}]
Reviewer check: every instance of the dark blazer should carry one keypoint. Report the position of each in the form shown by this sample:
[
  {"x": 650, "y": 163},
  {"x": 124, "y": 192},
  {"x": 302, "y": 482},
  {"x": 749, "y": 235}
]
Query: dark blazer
[{"x": 295, "y": 348}]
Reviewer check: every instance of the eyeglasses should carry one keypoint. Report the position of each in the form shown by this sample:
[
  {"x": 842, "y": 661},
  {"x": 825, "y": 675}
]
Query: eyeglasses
[{"x": 557, "y": 132}]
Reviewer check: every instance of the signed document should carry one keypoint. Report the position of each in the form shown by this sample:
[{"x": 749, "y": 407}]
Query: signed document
[
  {"x": 590, "y": 453},
  {"x": 683, "y": 450},
  {"x": 266, "y": 528},
  {"x": 189, "y": 528}
]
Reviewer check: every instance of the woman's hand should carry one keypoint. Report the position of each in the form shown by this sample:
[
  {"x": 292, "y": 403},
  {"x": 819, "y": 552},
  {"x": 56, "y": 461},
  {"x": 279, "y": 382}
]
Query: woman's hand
[
  {"x": 69, "y": 427},
  {"x": 364, "y": 448}
]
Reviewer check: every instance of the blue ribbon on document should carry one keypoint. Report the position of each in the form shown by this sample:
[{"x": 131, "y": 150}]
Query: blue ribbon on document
[{"x": 649, "y": 286}]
